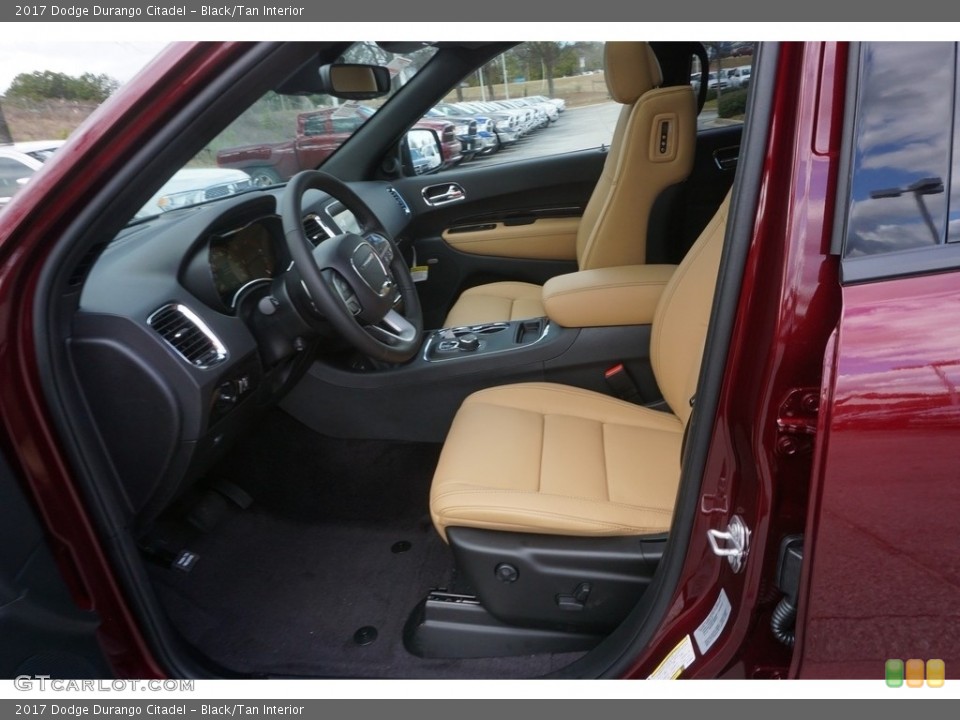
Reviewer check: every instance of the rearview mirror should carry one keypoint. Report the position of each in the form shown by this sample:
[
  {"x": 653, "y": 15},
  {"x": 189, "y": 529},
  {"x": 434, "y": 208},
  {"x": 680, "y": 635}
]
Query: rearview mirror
[{"x": 355, "y": 82}]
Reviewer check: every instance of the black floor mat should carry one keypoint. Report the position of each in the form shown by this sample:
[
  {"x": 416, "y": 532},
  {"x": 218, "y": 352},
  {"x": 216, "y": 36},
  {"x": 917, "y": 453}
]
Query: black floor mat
[{"x": 282, "y": 588}]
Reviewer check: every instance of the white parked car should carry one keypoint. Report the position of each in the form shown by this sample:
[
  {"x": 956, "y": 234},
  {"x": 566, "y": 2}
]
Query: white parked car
[
  {"x": 739, "y": 77},
  {"x": 712, "y": 81},
  {"x": 191, "y": 186},
  {"x": 19, "y": 161}
]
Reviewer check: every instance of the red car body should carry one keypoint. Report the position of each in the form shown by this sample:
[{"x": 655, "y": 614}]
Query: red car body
[
  {"x": 817, "y": 431},
  {"x": 318, "y": 135}
]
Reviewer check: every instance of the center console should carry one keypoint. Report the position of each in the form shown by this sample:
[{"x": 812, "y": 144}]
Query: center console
[{"x": 485, "y": 339}]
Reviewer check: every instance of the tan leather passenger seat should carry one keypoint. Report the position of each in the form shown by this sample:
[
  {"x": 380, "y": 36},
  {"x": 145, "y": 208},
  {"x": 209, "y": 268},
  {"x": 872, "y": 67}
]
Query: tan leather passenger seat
[
  {"x": 549, "y": 458},
  {"x": 652, "y": 148}
]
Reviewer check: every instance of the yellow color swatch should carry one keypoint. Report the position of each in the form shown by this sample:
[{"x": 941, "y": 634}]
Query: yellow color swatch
[{"x": 936, "y": 672}]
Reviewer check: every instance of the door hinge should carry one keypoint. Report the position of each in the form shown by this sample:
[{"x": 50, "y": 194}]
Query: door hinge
[
  {"x": 797, "y": 420},
  {"x": 735, "y": 542}
]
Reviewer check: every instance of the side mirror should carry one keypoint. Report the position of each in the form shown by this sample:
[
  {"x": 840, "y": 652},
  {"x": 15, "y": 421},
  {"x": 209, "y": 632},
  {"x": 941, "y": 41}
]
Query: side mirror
[
  {"x": 355, "y": 82},
  {"x": 421, "y": 152}
]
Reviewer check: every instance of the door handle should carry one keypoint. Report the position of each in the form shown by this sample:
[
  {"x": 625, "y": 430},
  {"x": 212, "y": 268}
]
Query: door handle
[
  {"x": 442, "y": 194},
  {"x": 726, "y": 158}
]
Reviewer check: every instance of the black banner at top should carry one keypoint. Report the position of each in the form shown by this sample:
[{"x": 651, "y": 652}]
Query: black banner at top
[{"x": 738, "y": 12}]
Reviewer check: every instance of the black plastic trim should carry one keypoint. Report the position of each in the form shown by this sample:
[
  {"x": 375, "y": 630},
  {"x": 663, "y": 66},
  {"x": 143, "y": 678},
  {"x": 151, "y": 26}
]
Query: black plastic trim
[
  {"x": 584, "y": 584},
  {"x": 841, "y": 207},
  {"x": 888, "y": 266},
  {"x": 43, "y": 631},
  {"x": 417, "y": 401},
  {"x": 449, "y": 625}
]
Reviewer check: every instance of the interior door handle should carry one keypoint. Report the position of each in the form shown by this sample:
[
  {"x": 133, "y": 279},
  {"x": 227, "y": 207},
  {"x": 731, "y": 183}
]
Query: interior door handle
[
  {"x": 442, "y": 194},
  {"x": 726, "y": 158}
]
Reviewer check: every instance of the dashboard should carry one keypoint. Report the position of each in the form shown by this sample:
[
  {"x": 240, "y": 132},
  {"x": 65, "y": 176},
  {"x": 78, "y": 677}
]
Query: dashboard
[{"x": 175, "y": 343}]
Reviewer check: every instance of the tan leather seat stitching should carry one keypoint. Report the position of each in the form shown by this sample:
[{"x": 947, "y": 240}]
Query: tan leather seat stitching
[
  {"x": 543, "y": 445},
  {"x": 495, "y": 491},
  {"x": 606, "y": 457},
  {"x": 540, "y": 513},
  {"x": 633, "y": 529}
]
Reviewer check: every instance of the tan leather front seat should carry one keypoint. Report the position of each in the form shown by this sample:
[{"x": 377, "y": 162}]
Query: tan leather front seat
[
  {"x": 549, "y": 458},
  {"x": 652, "y": 148}
]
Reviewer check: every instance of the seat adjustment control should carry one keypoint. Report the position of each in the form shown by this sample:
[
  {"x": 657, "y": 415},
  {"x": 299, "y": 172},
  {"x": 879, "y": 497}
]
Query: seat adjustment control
[
  {"x": 576, "y": 600},
  {"x": 506, "y": 573}
]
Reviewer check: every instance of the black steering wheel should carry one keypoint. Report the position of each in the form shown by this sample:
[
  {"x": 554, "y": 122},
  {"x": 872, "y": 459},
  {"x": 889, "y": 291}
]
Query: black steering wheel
[{"x": 359, "y": 282}]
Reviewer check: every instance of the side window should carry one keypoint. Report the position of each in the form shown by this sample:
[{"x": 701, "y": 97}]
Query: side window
[
  {"x": 546, "y": 98},
  {"x": 730, "y": 67},
  {"x": 536, "y": 99},
  {"x": 901, "y": 150},
  {"x": 345, "y": 124}
]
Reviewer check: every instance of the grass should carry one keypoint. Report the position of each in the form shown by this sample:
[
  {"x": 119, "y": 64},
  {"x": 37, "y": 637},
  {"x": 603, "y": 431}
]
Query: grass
[{"x": 47, "y": 120}]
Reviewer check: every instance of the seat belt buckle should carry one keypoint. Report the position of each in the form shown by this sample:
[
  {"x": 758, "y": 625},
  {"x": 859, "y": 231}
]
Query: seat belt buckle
[{"x": 619, "y": 381}]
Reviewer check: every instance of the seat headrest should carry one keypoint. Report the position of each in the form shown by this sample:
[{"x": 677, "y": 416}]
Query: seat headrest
[{"x": 631, "y": 69}]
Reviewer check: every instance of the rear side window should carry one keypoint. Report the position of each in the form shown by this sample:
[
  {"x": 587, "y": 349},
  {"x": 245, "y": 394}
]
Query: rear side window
[
  {"x": 899, "y": 208},
  {"x": 903, "y": 144}
]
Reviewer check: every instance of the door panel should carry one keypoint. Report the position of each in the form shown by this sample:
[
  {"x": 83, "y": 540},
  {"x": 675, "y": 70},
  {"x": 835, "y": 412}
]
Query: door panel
[
  {"x": 520, "y": 200},
  {"x": 43, "y": 631},
  {"x": 547, "y": 238}
]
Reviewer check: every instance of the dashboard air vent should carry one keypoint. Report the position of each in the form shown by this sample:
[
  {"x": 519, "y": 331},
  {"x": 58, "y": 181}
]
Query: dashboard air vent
[
  {"x": 314, "y": 228},
  {"x": 399, "y": 200},
  {"x": 188, "y": 335}
]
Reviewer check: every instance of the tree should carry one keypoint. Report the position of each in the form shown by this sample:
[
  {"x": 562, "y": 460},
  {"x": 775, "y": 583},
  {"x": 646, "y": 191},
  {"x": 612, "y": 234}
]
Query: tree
[
  {"x": 716, "y": 50},
  {"x": 546, "y": 55},
  {"x": 49, "y": 85},
  {"x": 549, "y": 60}
]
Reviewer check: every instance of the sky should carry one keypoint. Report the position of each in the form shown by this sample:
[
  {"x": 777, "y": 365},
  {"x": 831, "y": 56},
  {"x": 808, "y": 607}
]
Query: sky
[
  {"x": 120, "y": 60},
  {"x": 60, "y": 51}
]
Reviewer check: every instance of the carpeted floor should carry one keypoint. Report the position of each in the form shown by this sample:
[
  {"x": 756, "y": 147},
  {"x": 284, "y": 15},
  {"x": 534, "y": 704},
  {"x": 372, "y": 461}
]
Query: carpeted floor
[{"x": 282, "y": 587}]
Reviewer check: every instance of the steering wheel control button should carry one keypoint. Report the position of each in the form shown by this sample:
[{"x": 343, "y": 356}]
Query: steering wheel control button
[
  {"x": 365, "y": 635},
  {"x": 400, "y": 546},
  {"x": 506, "y": 573}
]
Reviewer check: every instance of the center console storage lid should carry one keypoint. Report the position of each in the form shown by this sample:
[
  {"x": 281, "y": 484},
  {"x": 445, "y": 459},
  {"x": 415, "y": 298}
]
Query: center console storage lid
[{"x": 625, "y": 295}]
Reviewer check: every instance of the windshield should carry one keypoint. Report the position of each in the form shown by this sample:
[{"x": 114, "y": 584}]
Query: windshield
[{"x": 280, "y": 135}]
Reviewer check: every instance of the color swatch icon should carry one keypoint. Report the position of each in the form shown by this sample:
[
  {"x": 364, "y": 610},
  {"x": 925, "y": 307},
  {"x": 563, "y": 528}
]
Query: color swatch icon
[
  {"x": 893, "y": 671},
  {"x": 936, "y": 673},
  {"x": 913, "y": 672}
]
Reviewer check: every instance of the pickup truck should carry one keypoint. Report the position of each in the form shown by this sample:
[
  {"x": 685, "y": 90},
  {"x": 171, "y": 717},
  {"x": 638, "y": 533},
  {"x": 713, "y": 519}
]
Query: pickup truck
[{"x": 319, "y": 133}]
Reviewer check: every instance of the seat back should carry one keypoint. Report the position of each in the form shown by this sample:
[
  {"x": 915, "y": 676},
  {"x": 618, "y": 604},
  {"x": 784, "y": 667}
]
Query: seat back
[
  {"x": 652, "y": 148},
  {"x": 683, "y": 313}
]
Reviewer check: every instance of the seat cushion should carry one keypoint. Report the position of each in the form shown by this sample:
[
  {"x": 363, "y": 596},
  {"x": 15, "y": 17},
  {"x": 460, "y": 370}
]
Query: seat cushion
[
  {"x": 497, "y": 302},
  {"x": 554, "y": 459}
]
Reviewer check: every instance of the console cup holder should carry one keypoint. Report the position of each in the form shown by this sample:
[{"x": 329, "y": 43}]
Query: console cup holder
[{"x": 488, "y": 329}]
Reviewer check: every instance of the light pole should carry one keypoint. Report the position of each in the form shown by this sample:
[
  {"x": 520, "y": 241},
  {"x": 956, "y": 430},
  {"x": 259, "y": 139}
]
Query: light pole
[{"x": 924, "y": 186}]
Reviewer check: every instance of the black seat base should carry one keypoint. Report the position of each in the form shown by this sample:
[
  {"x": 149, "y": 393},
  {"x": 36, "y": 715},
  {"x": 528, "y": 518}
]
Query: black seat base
[
  {"x": 450, "y": 625},
  {"x": 580, "y": 584}
]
